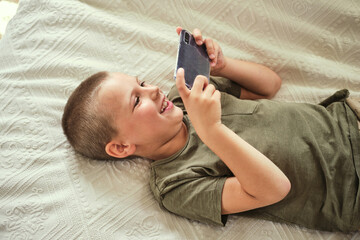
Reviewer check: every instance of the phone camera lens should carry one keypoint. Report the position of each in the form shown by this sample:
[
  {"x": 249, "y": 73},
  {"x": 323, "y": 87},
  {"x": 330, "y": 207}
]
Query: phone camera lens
[{"x": 187, "y": 38}]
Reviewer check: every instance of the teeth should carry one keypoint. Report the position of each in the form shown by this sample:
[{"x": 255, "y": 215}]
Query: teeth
[{"x": 164, "y": 106}]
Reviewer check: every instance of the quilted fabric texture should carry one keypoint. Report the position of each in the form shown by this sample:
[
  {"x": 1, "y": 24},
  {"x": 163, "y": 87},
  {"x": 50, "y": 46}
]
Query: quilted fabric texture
[{"x": 47, "y": 191}]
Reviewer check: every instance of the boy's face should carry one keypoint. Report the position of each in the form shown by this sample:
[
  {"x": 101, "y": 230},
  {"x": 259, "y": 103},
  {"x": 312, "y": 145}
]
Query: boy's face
[{"x": 142, "y": 113}]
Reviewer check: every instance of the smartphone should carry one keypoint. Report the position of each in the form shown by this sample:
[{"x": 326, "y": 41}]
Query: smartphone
[{"x": 192, "y": 58}]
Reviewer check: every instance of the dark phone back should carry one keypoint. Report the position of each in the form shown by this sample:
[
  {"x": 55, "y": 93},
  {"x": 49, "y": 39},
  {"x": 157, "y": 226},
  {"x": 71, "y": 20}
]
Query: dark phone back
[{"x": 193, "y": 58}]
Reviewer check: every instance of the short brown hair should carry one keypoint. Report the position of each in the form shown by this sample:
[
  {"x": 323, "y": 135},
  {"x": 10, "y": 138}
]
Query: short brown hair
[{"x": 86, "y": 127}]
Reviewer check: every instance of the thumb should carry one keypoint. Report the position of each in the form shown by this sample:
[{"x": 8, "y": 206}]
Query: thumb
[
  {"x": 180, "y": 83},
  {"x": 178, "y": 30}
]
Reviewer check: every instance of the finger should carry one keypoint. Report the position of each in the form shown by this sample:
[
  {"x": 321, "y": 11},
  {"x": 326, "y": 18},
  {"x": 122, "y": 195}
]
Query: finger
[
  {"x": 209, "y": 90},
  {"x": 198, "y": 36},
  {"x": 212, "y": 50},
  {"x": 216, "y": 95},
  {"x": 180, "y": 83},
  {"x": 178, "y": 30},
  {"x": 213, "y": 62},
  {"x": 217, "y": 50},
  {"x": 200, "y": 83}
]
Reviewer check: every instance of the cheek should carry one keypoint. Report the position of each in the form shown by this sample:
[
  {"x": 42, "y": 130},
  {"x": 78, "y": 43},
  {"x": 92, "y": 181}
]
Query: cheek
[
  {"x": 146, "y": 117},
  {"x": 146, "y": 111}
]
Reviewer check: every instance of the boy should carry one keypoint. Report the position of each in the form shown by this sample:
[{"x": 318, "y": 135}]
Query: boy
[{"x": 216, "y": 155}]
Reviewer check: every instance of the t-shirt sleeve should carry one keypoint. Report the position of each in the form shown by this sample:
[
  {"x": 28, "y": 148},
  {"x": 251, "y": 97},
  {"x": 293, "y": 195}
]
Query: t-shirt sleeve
[
  {"x": 226, "y": 85},
  {"x": 197, "y": 199}
]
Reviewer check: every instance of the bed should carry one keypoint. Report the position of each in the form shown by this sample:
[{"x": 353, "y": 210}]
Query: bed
[{"x": 47, "y": 191}]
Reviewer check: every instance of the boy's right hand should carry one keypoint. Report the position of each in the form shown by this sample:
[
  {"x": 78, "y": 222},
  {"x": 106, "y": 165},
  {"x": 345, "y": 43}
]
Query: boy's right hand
[
  {"x": 217, "y": 59},
  {"x": 202, "y": 102}
]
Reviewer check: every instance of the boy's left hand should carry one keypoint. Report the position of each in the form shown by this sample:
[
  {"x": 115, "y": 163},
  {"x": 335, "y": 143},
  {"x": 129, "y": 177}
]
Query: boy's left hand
[{"x": 217, "y": 59}]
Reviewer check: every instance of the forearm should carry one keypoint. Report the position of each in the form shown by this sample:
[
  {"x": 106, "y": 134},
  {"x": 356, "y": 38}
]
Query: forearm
[
  {"x": 258, "y": 176},
  {"x": 254, "y": 77}
]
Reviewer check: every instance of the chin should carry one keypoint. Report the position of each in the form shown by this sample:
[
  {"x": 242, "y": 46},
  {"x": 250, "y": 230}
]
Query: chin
[{"x": 180, "y": 113}]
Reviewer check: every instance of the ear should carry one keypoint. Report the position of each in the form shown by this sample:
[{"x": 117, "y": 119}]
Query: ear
[{"x": 119, "y": 150}]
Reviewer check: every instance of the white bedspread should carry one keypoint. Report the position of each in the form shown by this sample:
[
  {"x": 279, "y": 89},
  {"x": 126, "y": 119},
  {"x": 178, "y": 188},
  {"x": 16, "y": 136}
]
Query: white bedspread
[{"x": 49, "y": 192}]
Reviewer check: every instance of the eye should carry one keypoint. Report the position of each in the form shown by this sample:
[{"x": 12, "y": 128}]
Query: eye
[{"x": 137, "y": 100}]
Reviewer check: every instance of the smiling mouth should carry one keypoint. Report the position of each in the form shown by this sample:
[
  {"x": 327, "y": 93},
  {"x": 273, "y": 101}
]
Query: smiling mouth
[{"x": 164, "y": 105}]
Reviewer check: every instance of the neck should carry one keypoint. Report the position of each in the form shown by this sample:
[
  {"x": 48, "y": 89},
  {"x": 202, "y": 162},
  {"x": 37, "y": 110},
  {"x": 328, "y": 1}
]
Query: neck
[{"x": 169, "y": 147}]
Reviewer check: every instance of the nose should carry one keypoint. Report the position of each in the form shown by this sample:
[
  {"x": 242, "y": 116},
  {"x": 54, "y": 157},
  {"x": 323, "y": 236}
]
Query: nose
[{"x": 154, "y": 92}]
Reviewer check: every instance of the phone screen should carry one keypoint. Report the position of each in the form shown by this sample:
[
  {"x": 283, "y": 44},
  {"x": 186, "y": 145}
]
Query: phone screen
[{"x": 192, "y": 58}]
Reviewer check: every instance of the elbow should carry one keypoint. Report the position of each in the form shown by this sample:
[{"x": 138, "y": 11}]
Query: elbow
[
  {"x": 286, "y": 187},
  {"x": 283, "y": 189},
  {"x": 275, "y": 86},
  {"x": 279, "y": 192}
]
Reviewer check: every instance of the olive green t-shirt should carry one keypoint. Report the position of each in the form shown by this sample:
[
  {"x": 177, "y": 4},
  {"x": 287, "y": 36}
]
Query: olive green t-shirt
[{"x": 316, "y": 147}]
